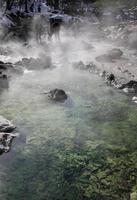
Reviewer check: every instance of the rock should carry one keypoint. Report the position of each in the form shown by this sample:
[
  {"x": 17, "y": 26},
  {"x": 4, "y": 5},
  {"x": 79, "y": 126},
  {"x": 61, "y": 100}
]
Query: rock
[
  {"x": 79, "y": 65},
  {"x": 111, "y": 56},
  {"x": 57, "y": 95},
  {"x": 130, "y": 87},
  {"x": 8, "y": 69},
  {"x": 6, "y": 125},
  {"x": 6, "y": 137},
  {"x": 43, "y": 62},
  {"x": 110, "y": 79},
  {"x": 104, "y": 58},
  {"x": 4, "y": 83},
  {"x": 128, "y": 90},
  {"x": 130, "y": 84},
  {"x": 91, "y": 67},
  {"x": 103, "y": 74},
  {"x": 115, "y": 53},
  {"x": 134, "y": 98},
  {"x": 6, "y": 142},
  {"x": 2, "y": 66}
]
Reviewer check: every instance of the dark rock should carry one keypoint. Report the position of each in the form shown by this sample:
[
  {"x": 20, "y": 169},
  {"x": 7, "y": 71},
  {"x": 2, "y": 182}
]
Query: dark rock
[
  {"x": 130, "y": 85},
  {"x": 57, "y": 95},
  {"x": 110, "y": 78}
]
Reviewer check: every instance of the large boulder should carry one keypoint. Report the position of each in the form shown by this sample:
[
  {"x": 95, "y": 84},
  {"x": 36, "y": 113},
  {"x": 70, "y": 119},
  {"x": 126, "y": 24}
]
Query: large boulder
[{"x": 57, "y": 95}]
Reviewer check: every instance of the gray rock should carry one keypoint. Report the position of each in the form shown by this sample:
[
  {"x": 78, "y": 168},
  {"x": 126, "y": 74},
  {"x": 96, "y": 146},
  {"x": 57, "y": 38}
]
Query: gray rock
[
  {"x": 115, "y": 53},
  {"x": 6, "y": 142},
  {"x": 111, "y": 56},
  {"x": 57, "y": 95},
  {"x": 6, "y": 125},
  {"x": 43, "y": 62},
  {"x": 6, "y": 137}
]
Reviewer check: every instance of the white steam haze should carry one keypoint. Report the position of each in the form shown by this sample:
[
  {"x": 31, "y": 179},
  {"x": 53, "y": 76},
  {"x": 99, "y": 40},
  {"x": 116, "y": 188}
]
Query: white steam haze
[{"x": 75, "y": 45}]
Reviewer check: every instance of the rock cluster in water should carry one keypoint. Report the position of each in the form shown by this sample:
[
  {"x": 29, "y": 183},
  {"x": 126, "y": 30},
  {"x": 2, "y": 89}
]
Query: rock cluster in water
[
  {"x": 6, "y": 135},
  {"x": 129, "y": 87}
]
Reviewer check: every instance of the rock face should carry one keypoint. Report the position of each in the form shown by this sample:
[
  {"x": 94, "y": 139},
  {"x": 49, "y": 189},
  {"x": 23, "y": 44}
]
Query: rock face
[
  {"x": 6, "y": 137},
  {"x": 57, "y": 95}
]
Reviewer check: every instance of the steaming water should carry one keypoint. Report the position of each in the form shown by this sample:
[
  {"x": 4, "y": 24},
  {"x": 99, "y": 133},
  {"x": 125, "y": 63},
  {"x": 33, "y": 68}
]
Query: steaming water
[{"x": 90, "y": 101}]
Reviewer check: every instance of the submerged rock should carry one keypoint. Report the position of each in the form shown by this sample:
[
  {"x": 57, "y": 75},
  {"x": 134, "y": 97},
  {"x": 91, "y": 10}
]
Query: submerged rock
[
  {"x": 57, "y": 95},
  {"x": 6, "y": 137}
]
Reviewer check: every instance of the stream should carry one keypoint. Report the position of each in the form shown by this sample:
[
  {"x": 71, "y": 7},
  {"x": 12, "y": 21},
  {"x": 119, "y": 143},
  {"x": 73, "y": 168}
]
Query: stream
[{"x": 90, "y": 113}]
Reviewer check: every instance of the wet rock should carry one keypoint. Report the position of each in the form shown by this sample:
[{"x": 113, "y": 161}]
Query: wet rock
[
  {"x": 110, "y": 79},
  {"x": 129, "y": 90},
  {"x": 3, "y": 66},
  {"x": 6, "y": 137},
  {"x": 4, "y": 83},
  {"x": 7, "y": 69},
  {"x": 134, "y": 99},
  {"x": 6, "y": 140},
  {"x": 111, "y": 56},
  {"x": 115, "y": 53},
  {"x": 129, "y": 87},
  {"x": 35, "y": 63},
  {"x": 104, "y": 58},
  {"x": 6, "y": 125},
  {"x": 91, "y": 67},
  {"x": 57, "y": 95}
]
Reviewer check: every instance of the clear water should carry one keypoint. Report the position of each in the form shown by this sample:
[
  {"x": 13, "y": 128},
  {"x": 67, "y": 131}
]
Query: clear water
[{"x": 90, "y": 113}]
